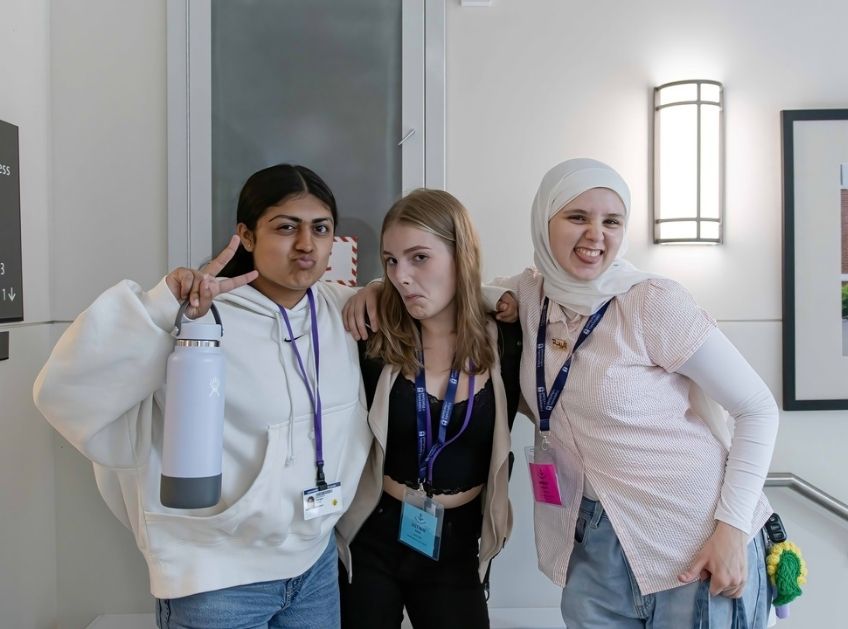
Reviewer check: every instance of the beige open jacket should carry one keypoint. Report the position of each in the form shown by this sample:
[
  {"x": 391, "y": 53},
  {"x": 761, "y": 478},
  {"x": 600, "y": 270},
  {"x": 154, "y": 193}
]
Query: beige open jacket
[{"x": 497, "y": 512}]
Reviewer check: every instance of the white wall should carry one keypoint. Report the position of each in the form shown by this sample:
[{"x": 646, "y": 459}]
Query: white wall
[
  {"x": 109, "y": 222},
  {"x": 27, "y": 524},
  {"x": 533, "y": 82},
  {"x": 109, "y": 143}
]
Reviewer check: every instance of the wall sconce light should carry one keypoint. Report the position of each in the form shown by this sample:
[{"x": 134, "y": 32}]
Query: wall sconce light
[{"x": 688, "y": 162}]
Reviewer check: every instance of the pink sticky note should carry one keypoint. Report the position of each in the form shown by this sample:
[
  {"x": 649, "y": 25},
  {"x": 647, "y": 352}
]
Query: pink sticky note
[{"x": 545, "y": 483}]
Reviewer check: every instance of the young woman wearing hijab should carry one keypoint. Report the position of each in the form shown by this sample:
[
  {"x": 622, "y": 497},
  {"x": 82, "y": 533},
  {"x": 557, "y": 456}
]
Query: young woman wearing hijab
[
  {"x": 641, "y": 494},
  {"x": 442, "y": 384},
  {"x": 655, "y": 499},
  {"x": 259, "y": 558}
]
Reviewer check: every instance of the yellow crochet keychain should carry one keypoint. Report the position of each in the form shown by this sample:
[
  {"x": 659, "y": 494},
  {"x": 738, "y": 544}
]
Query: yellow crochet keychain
[{"x": 787, "y": 571}]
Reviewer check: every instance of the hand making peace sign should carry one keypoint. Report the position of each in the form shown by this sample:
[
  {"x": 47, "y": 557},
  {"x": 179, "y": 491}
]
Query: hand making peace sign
[{"x": 200, "y": 287}]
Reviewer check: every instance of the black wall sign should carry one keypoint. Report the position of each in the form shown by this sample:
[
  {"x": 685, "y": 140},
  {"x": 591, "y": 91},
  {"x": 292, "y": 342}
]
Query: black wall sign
[{"x": 11, "y": 284}]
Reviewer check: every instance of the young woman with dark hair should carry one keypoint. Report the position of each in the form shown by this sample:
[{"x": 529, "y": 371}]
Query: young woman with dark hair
[{"x": 257, "y": 559}]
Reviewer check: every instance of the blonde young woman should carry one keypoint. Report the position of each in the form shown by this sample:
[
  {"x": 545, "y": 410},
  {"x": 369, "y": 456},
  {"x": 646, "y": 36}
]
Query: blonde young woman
[{"x": 441, "y": 406}]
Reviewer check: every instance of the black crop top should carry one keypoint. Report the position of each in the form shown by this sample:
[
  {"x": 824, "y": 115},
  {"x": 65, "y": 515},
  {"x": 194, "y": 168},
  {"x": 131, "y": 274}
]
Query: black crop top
[
  {"x": 461, "y": 465},
  {"x": 464, "y": 463}
]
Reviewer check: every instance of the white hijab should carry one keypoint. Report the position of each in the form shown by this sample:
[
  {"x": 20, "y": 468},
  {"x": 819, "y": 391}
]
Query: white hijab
[{"x": 561, "y": 184}]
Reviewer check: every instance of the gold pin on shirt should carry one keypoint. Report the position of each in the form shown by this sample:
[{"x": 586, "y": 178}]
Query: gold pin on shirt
[{"x": 560, "y": 343}]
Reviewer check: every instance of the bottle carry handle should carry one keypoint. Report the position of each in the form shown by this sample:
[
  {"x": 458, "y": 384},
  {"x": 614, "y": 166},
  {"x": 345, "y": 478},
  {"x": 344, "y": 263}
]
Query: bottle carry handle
[{"x": 178, "y": 323}]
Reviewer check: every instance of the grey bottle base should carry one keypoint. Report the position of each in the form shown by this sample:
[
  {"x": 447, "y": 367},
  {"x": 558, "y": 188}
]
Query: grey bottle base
[{"x": 190, "y": 493}]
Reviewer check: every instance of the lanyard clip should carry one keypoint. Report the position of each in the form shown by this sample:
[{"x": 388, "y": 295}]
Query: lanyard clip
[
  {"x": 320, "y": 482},
  {"x": 545, "y": 444}
]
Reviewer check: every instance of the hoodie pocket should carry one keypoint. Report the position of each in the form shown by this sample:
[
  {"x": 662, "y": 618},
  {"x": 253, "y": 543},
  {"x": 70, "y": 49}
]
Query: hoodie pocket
[
  {"x": 261, "y": 517},
  {"x": 346, "y": 442}
]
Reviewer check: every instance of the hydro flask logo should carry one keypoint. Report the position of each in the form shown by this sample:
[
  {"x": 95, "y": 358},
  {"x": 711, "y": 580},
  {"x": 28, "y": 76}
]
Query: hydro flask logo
[{"x": 214, "y": 386}]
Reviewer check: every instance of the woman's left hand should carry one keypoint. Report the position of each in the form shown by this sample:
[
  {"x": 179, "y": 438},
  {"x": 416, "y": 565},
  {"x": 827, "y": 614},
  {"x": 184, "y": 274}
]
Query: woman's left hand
[
  {"x": 507, "y": 308},
  {"x": 724, "y": 560},
  {"x": 359, "y": 314}
]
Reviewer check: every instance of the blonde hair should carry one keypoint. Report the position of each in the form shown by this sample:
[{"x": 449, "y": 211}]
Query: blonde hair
[{"x": 399, "y": 341}]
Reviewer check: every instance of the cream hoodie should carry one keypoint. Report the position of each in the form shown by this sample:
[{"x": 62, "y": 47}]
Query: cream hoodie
[{"x": 103, "y": 390}]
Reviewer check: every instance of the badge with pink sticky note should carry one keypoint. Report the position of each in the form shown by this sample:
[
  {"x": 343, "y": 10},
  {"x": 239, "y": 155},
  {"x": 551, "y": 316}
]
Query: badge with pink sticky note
[{"x": 543, "y": 477}]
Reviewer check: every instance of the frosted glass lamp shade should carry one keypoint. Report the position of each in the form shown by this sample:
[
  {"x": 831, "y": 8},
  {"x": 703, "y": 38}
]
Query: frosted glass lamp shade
[{"x": 688, "y": 152}]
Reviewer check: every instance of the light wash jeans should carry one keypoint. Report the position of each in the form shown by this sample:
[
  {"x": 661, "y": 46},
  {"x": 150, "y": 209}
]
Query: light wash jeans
[
  {"x": 308, "y": 601},
  {"x": 601, "y": 591}
]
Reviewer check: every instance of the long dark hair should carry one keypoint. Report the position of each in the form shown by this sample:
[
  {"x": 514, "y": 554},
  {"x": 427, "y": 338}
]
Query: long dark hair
[{"x": 268, "y": 187}]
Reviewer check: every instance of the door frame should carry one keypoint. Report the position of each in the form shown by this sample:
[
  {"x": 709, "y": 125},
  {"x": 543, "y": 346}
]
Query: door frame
[{"x": 189, "y": 103}]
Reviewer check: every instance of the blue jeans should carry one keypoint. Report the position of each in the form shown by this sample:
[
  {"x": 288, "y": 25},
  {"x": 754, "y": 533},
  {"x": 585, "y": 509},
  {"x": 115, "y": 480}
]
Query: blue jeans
[
  {"x": 308, "y": 601},
  {"x": 601, "y": 590}
]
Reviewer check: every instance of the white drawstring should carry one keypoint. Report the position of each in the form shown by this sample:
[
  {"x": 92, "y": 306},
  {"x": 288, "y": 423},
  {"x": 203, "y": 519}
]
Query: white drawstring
[{"x": 290, "y": 447}]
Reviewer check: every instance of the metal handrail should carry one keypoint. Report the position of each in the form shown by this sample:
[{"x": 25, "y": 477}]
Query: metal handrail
[{"x": 826, "y": 501}]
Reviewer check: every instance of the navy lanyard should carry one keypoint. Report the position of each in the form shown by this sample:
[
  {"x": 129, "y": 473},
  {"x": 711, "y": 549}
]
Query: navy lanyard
[
  {"x": 314, "y": 396},
  {"x": 427, "y": 450},
  {"x": 546, "y": 401}
]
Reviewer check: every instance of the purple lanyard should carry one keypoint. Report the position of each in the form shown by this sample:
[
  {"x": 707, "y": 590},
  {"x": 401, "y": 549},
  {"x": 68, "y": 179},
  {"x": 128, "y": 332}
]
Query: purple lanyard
[
  {"x": 545, "y": 402},
  {"x": 427, "y": 450},
  {"x": 314, "y": 397}
]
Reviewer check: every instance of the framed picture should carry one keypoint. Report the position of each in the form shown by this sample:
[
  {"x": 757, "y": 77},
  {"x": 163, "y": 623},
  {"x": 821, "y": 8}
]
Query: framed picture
[{"x": 815, "y": 259}]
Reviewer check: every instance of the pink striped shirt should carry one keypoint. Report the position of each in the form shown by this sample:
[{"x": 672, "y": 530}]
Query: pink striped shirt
[{"x": 624, "y": 420}]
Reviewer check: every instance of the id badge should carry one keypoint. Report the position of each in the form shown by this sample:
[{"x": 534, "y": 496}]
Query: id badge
[
  {"x": 421, "y": 520},
  {"x": 543, "y": 477},
  {"x": 319, "y": 502}
]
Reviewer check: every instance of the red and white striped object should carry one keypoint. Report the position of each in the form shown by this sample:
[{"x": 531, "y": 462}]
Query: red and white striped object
[{"x": 343, "y": 261}]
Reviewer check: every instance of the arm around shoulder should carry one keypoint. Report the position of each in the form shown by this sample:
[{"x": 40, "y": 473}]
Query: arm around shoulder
[
  {"x": 495, "y": 289},
  {"x": 336, "y": 292}
]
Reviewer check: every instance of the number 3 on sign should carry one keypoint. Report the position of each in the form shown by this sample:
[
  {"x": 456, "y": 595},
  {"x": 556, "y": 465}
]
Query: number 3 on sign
[{"x": 2, "y": 268}]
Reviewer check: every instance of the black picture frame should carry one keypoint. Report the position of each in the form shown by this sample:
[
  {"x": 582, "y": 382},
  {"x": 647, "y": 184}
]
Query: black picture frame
[{"x": 794, "y": 123}]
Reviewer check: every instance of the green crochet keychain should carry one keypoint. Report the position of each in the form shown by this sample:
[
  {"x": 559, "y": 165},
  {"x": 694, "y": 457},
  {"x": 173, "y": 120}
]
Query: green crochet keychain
[{"x": 787, "y": 571}]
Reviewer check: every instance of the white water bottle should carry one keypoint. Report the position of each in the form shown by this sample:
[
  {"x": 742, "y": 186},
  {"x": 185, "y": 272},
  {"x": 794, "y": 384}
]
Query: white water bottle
[{"x": 192, "y": 447}]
